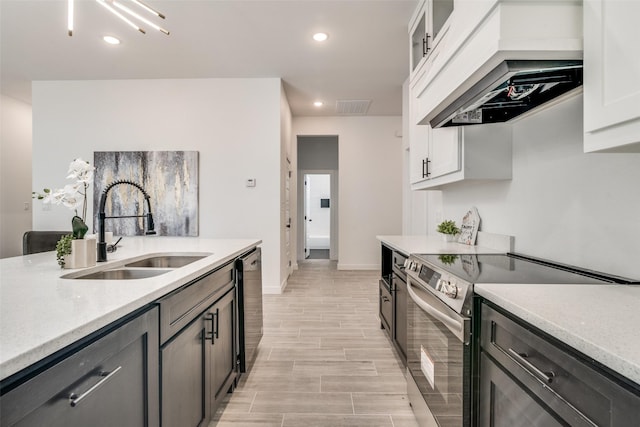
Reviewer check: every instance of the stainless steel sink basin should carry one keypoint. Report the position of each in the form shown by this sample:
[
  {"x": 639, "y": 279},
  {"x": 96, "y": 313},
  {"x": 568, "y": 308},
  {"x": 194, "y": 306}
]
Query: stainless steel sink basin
[
  {"x": 166, "y": 261},
  {"x": 123, "y": 274},
  {"x": 143, "y": 267}
]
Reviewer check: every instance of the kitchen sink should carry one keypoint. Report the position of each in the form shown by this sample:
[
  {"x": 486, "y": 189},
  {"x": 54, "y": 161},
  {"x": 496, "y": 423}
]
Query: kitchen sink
[
  {"x": 166, "y": 261},
  {"x": 139, "y": 267},
  {"x": 123, "y": 274}
]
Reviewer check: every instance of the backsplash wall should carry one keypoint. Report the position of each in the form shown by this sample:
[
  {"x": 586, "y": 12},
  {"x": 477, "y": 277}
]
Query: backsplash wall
[{"x": 562, "y": 204}]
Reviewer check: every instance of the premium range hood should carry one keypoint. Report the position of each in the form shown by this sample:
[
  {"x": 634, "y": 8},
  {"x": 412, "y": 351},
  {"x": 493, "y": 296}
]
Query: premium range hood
[{"x": 511, "y": 89}]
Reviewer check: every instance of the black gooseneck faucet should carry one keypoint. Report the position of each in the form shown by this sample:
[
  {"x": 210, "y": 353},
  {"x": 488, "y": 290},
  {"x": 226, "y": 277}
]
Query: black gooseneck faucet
[{"x": 102, "y": 245}]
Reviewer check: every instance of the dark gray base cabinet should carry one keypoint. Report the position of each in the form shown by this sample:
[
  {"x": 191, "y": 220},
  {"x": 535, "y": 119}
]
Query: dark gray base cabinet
[
  {"x": 400, "y": 317},
  {"x": 527, "y": 379},
  {"x": 199, "y": 361},
  {"x": 505, "y": 403},
  {"x": 111, "y": 382}
]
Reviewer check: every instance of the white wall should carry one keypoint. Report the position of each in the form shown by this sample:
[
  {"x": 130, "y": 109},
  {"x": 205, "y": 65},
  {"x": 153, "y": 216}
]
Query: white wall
[
  {"x": 15, "y": 174},
  {"x": 235, "y": 124},
  {"x": 562, "y": 204},
  {"x": 287, "y": 256},
  {"x": 370, "y": 182}
]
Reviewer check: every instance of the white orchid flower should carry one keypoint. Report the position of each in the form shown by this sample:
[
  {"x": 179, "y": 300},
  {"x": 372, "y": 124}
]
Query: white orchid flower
[
  {"x": 81, "y": 171},
  {"x": 71, "y": 196}
]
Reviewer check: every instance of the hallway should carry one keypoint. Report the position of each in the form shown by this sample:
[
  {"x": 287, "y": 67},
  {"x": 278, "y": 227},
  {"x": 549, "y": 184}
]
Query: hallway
[{"x": 323, "y": 360}]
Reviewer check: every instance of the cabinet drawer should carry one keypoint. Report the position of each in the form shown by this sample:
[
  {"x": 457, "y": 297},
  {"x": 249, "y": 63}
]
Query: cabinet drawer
[
  {"x": 182, "y": 306},
  {"x": 111, "y": 382},
  {"x": 577, "y": 392},
  {"x": 386, "y": 306}
]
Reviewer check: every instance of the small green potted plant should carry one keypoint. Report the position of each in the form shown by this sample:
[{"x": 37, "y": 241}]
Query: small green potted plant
[{"x": 448, "y": 229}]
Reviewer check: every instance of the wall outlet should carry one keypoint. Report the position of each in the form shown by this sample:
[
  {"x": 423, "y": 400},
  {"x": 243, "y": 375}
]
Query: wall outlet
[
  {"x": 25, "y": 206},
  {"x": 251, "y": 182}
]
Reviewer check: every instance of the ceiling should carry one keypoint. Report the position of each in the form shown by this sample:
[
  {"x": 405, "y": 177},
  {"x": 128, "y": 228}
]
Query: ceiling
[{"x": 365, "y": 57}]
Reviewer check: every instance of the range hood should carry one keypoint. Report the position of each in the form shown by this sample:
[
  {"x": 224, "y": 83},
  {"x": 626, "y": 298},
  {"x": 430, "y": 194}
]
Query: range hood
[{"x": 511, "y": 89}]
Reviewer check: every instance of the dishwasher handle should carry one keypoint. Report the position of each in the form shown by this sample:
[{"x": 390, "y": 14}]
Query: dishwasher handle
[{"x": 458, "y": 325}]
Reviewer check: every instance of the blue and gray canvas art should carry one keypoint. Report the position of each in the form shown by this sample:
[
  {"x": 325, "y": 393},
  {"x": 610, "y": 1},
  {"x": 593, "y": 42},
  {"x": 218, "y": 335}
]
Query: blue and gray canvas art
[{"x": 170, "y": 178}]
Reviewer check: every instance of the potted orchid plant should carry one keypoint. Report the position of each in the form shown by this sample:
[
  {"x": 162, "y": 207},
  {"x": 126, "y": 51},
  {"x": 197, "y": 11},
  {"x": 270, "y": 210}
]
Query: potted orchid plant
[{"x": 74, "y": 197}]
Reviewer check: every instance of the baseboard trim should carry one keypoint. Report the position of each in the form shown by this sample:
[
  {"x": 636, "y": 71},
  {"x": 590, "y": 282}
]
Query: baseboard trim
[{"x": 274, "y": 290}]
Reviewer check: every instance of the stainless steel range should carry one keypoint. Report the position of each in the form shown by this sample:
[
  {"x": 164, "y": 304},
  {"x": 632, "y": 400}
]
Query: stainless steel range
[{"x": 439, "y": 315}]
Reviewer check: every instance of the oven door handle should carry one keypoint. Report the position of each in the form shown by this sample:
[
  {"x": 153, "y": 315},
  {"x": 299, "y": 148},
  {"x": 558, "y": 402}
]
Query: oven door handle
[{"x": 458, "y": 325}]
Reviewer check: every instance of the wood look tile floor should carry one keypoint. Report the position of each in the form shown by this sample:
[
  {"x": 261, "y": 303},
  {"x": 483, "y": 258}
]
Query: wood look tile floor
[{"x": 323, "y": 360}]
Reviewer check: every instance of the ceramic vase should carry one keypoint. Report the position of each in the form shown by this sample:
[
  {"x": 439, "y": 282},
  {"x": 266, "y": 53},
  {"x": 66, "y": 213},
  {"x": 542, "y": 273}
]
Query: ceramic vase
[
  {"x": 83, "y": 254},
  {"x": 448, "y": 237}
]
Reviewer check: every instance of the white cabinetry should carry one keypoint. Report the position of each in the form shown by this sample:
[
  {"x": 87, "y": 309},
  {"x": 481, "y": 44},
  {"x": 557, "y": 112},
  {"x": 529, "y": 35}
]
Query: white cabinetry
[
  {"x": 467, "y": 153},
  {"x": 426, "y": 28},
  {"x": 611, "y": 76},
  {"x": 433, "y": 152},
  {"x": 445, "y": 155}
]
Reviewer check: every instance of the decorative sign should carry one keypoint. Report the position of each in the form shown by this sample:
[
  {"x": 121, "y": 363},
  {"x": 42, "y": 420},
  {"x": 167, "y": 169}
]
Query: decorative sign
[
  {"x": 170, "y": 178},
  {"x": 469, "y": 228}
]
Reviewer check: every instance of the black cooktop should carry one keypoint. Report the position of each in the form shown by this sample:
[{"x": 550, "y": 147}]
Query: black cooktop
[{"x": 515, "y": 268}]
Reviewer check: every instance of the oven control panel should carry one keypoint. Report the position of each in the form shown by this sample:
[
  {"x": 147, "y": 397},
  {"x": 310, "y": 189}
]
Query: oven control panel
[{"x": 446, "y": 287}]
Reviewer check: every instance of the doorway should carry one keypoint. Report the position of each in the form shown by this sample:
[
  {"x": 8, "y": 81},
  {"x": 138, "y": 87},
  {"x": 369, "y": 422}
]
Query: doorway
[
  {"x": 317, "y": 216},
  {"x": 317, "y": 198}
]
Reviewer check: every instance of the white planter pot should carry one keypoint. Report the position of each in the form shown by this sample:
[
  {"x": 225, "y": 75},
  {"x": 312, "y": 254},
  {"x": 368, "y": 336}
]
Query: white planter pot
[
  {"x": 83, "y": 254},
  {"x": 448, "y": 237}
]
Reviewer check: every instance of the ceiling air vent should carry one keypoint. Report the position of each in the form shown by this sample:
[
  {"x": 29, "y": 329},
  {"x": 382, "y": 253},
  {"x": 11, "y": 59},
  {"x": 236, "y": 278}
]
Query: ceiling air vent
[{"x": 353, "y": 107}]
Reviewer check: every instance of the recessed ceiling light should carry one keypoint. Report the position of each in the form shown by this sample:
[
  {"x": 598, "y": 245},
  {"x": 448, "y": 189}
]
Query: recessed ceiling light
[
  {"x": 318, "y": 103},
  {"x": 111, "y": 40},
  {"x": 320, "y": 37}
]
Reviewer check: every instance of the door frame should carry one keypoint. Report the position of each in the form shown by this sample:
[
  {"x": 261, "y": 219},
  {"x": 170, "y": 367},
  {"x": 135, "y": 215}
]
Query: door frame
[{"x": 334, "y": 232}]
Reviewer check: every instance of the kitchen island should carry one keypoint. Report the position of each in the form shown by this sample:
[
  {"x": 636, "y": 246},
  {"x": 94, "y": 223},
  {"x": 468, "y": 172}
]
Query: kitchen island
[{"x": 42, "y": 313}]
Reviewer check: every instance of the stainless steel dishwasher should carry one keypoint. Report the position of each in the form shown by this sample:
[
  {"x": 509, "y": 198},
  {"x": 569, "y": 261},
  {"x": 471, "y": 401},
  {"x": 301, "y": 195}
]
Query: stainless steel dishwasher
[{"x": 249, "y": 274}]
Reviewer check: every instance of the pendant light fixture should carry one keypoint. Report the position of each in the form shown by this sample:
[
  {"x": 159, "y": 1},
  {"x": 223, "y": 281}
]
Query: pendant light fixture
[{"x": 119, "y": 10}]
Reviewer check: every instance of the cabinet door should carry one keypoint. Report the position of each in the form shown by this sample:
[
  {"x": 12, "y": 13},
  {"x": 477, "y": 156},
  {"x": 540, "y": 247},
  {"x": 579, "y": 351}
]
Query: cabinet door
[
  {"x": 426, "y": 28},
  {"x": 400, "y": 321},
  {"x": 444, "y": 151},
  {"x": 611, "y": 83},
  {"x": 418, "y": 145},
  {"x": 184, "y": 373},
  {"x": 111, "y": 382},
  {"x": 504, "y": 403},
  {"x": 439, "y": 11},
  {"x": 417, "y": 34},
  {"x": 223, "y": 360}
]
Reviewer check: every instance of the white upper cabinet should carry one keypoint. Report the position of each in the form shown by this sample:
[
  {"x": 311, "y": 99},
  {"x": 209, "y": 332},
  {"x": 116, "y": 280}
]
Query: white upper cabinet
[
  {"x": 467, "y": 153},
  {"x": 427, "y": 27},
  {"x": 611, "y": 75}
]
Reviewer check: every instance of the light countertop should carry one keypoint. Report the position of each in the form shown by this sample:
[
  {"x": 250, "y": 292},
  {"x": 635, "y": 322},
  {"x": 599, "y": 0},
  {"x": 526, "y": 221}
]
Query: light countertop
[
  {"x": 496, "y": 244},
  {"x": 41, "y": 313},
  {"x": 600, "y": 321}
]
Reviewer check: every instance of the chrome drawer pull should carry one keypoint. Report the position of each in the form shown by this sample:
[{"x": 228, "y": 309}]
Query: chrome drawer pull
[
  {"x": 522, "y": 359},
  {"x": 74, "y": 399}
]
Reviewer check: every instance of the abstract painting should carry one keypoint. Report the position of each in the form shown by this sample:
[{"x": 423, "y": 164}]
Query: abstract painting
[{"x": 169, "y": 177}]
